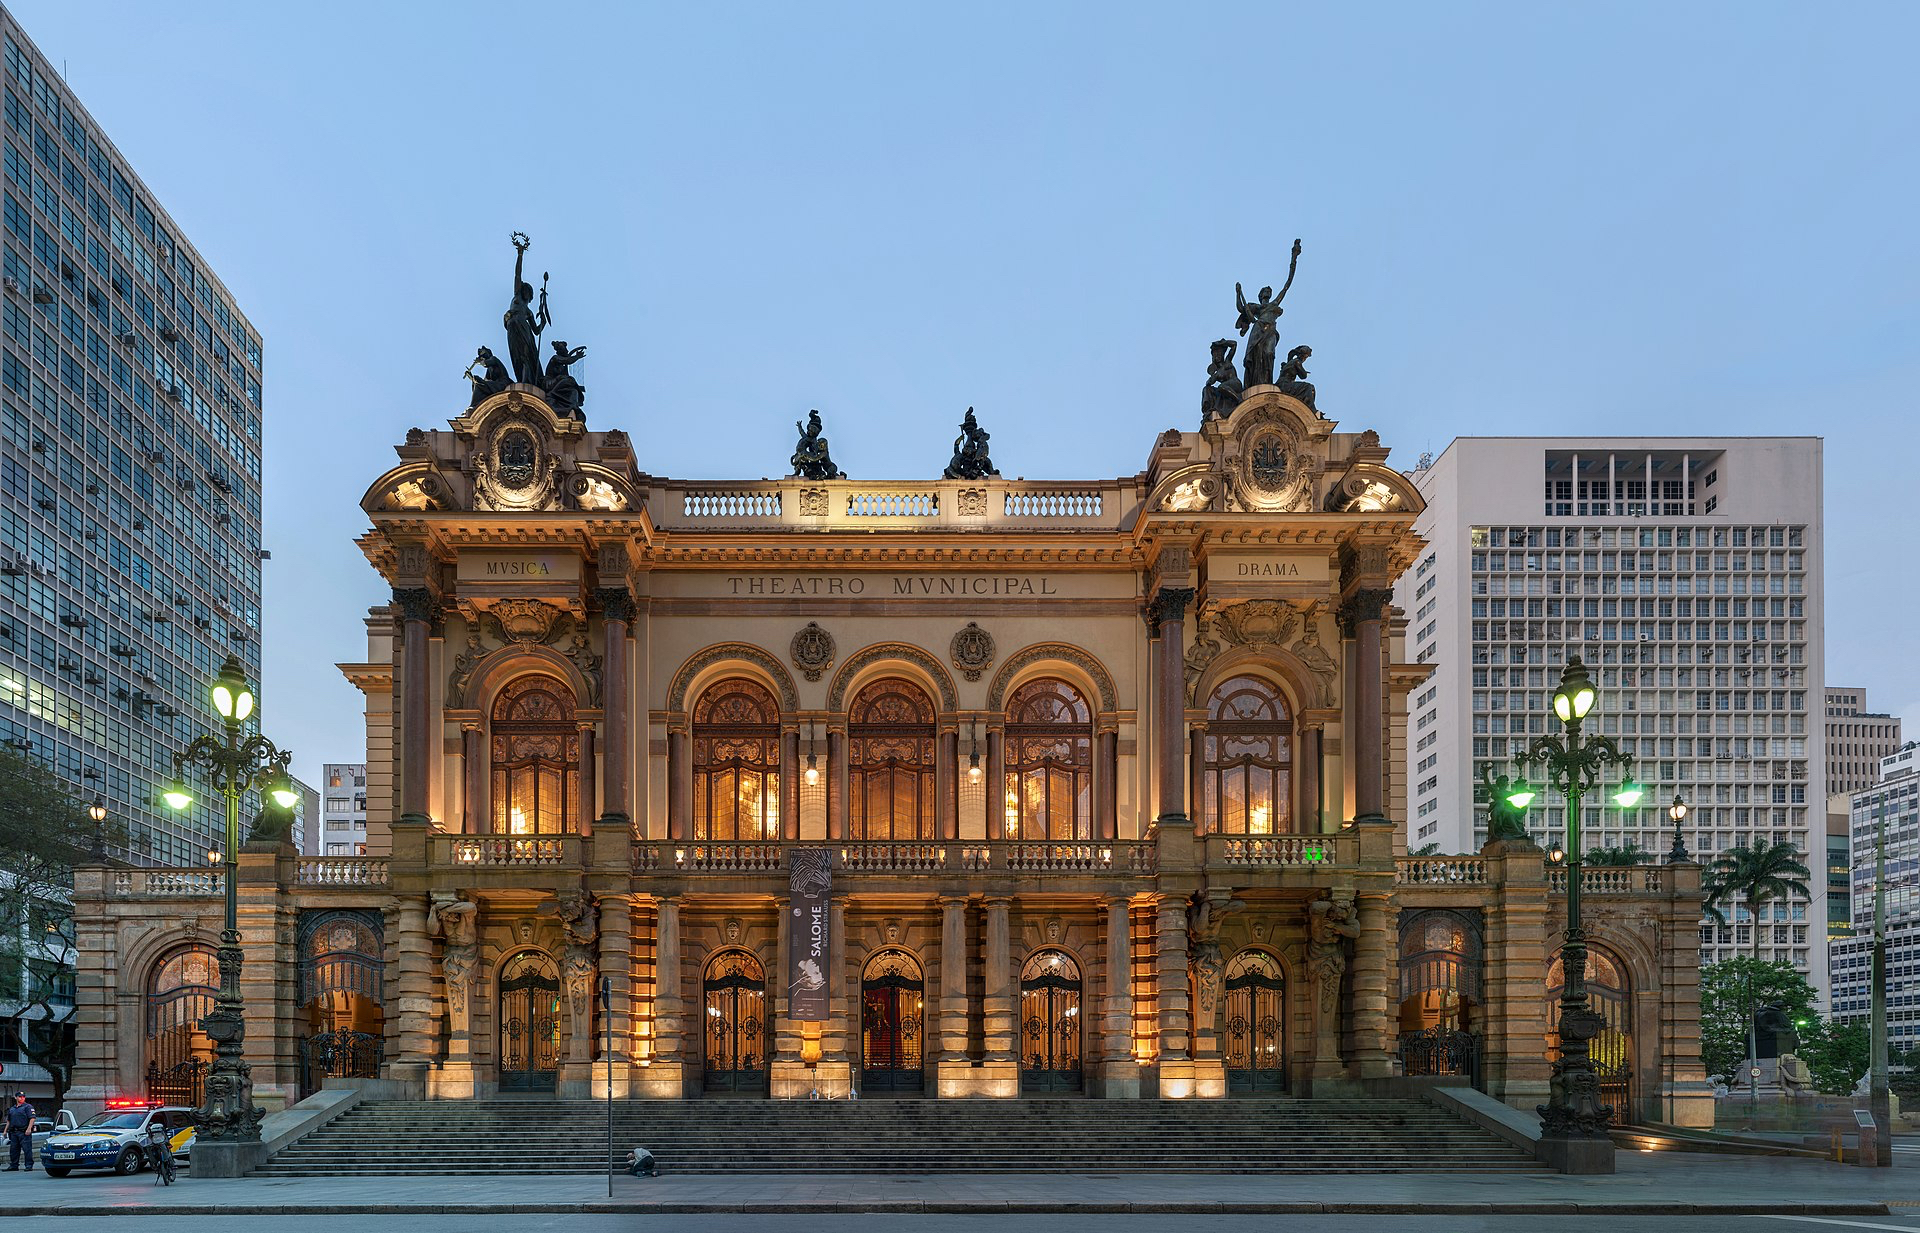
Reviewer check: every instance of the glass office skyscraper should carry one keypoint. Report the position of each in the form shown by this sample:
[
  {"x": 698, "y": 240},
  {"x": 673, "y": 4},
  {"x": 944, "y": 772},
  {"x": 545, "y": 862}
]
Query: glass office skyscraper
[{"x": 130, "y": 403}]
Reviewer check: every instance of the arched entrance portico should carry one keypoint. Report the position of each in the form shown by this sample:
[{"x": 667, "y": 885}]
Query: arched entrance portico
[
  {"x": 340, "y": 976},
  {"x": 529, "y": 1022},
  {"x": 892, "y": 1019},
  {"x": 1612, "y": 1050},
  {"x": 1440, "y": 993},
  {"x": 179, "y": 995}
]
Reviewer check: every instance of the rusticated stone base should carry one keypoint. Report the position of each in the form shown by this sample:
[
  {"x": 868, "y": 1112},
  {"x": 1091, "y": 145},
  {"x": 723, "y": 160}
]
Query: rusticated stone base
[
  {"x": 797, "y": 1081},
  {"x": 1580, "y": 1156},
  {"x": 960, "y": 1078},
  {"x": 225, "y": 1158}
]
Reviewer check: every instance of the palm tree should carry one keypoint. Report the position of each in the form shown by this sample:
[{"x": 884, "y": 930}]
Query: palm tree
[{"x": 1756, "y": 874}]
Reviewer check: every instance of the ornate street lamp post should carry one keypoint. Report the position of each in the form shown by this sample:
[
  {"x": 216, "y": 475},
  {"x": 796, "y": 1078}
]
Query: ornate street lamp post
[
  {"x": 1573, "y": 1122},
  {"x": 241, "y": 762},
  {"x": 1677, "y": 811}
]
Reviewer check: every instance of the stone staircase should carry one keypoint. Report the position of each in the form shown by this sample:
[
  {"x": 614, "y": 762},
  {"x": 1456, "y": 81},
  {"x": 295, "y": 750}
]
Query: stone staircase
[{"x": 1280, "y": 1135}]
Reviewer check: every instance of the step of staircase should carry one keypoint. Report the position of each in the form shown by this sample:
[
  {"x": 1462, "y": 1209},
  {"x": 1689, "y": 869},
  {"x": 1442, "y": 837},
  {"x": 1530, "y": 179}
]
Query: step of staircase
[{"x": 1270, "y": 1136}]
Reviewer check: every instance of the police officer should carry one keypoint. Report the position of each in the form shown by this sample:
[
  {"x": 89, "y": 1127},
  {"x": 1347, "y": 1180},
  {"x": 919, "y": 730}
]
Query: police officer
[{"x": 20, "y": 1120}]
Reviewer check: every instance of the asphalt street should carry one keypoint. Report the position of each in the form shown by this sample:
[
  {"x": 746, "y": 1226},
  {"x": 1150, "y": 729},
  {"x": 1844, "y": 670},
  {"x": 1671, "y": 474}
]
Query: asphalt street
[{"x": 843, "y": 1223}]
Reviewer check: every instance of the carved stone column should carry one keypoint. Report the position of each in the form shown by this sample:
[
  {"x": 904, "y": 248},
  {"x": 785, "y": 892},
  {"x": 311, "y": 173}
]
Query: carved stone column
[
  {"x": 837, "y": 1037},
  {"x": 1373, "y": 975},
  {"x": 1364, "y": 613},
  {"x": 679, "y": 787},
  {"x": 999, "y": 996},
  {"x": 413, "y": 996},
  {"x": 996, "y": 785},
  {"x": 664, "y": 1076},
  {"x": 1176, "y": 1020},
  {"x": 1106, "y": 777},
  {"x": 473, "y": 746},
  {"x": 953, "y": 981},
  {"x": 946, "y": 800},
  {"x": 838, "y": 785},
  {"x": 790, "y": 784},
  {"x": 616, "y": 966},
  {"x": 1120, "y": 1072},
  {"x": 616, "y": 606},
  {"x": 1307, "y": 820},
  {"x": 589, "y": 790},
  {"x": 416, "y": 605},
  {"x": 1166, "y": 613},
  {"x": 1196, "y": 778}
]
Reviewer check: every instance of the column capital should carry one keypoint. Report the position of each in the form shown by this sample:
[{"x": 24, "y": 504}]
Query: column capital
[
  {"x": 996, "y": 900},
  {"x": 416, "y": 603},
  {"x": 616, "y": 603},
  {"x": 1167, "y": 604},
  {"x": 1364, "y": 604}
]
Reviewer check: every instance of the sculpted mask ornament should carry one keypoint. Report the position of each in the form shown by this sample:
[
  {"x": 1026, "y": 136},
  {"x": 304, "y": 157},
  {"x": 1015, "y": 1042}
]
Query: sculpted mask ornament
[
  {"x": 527, "y": 621},
  {"x": 972, "y": 651},
  {"x": 1193, "y": 495},
  {"x": 812, "y": 651},
  {"x": 597, "y": 494},
  {"x": 1273, "y": 470}
]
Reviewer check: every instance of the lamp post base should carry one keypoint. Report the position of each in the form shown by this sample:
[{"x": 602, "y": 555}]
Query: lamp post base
[
  {"x": 1581, "y": 1155},
  {"x": 227, "y": 1157}
]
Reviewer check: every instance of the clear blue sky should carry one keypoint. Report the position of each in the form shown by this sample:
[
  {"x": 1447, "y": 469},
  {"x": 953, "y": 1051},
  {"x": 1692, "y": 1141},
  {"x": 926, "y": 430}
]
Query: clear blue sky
[{"x": 1689, "y": 218}]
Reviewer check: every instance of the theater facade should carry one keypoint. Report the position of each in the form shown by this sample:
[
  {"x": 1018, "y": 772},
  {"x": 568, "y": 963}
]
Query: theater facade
[{"x": 968, "y": 787}]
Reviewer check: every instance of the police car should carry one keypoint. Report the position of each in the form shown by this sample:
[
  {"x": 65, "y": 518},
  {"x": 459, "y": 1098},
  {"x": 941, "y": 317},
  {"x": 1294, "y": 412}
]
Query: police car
[{"x": 116, "y": 1138}]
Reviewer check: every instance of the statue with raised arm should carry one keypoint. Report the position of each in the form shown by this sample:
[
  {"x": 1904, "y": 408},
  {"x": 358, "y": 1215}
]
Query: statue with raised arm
[
  {"x": 1292, "y": 378},
  {"x": 1221, "y": 394},
  {"x": 811, "y": 459},
  {"x": 970, "y": 460},
  {"x": 1262, "y": 317},
  {"x": 564, "y": 393},
  {"x": 491, "y": 378},
  {"x": 524, "y": 324}
]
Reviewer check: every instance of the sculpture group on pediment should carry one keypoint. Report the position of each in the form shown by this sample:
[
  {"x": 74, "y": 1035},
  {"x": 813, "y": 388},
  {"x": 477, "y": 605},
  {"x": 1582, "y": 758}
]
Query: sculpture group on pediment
[
  {"x": 1221, "y": 394},
  {"x": 1259, "y": 324},
  {"x": 525, "y": 320},
  {"x": 970, "y": 458},
  {"x": 1292, "y": 379},
  {"x": 811, "y": 457}
]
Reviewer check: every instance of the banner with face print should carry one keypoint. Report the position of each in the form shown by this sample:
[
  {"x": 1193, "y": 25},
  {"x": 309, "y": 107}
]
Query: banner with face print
[{"x": 807, "y": 934}]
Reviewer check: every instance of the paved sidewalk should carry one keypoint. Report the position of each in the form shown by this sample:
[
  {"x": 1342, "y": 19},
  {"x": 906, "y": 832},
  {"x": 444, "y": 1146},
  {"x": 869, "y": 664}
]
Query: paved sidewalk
[{"x": 1645, "y": 1184}]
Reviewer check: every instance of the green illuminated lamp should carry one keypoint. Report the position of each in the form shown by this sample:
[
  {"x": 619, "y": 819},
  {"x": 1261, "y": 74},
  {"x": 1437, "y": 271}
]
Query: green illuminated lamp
[
  {"x": 1521, "y": 796},
  {"x": 231, "y": 695},
  {"x": 1629, "y": 794},
  {"x": 175, "y": 794},
  {"x": 283, "y": 792}
]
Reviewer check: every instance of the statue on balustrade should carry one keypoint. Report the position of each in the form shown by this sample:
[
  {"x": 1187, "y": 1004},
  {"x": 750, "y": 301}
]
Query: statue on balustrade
[
  {"x": 523, "y": 321},
  {"x": 564, "y": 392},
  {"x": 1221, "y": 394},
  {"x": 491, "y": 379},
  {"x": 1262, "y": 317},
  {"x": 811, "y": 460},
  {"x": 970, "y": 460}
]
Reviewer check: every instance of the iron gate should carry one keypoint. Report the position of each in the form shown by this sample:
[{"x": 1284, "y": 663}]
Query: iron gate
[
  {"x": 1255, "y": 1024},
  {"x": 1050, "y": 1023},
  {"x": 339, "y": 1055},
  {"x": 1438, "y": 1051},
  {"x": 529, "y": 1023},
  {"x": 891, "y": 1021},
  {"x": 736, "y": 1033}
]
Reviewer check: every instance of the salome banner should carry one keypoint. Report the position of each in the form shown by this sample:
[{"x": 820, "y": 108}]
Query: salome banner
[{"x": 808, "y": 943}]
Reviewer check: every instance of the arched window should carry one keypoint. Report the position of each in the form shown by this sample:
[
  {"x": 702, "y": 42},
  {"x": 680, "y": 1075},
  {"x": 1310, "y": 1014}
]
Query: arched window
[
  {"x": 890, "y": 762},
  {"x": 536, "y": 758},
  {"x": 736, "y": 763},
  {"x": 1049, "y": 762},
  {"x": 179, "y": 995},
  {"x": 1246, "y": 785}
]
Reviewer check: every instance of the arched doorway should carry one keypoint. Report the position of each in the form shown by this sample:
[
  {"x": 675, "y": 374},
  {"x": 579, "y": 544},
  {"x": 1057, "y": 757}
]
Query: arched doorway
[
  {"x": 536, "y": 758},
  {"x": 736, "y": 1019},
  {"x": 1612, "y": 1049},
  {"x": 179, "y": 995},
  {"x": 892, "y": 1024},
  {"x": 529, "y": 1023},
  {"x": 1440, "y": 998},
  {"x": 1050, "y": 1023},
  {"x": 341, "y": 963},
  {"x": 1256, "y": 1037}
]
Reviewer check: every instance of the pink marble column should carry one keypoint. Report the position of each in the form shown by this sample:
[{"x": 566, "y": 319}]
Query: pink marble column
[
  {"x": 473, "y": 749},
  {"x": 1167, "y": 613},
  {"x": 416, "y": 605},
  {"x": 1364, "y": 611},
  {"x": 588, "y": 788},
  {"x": 616, "y": 606}
]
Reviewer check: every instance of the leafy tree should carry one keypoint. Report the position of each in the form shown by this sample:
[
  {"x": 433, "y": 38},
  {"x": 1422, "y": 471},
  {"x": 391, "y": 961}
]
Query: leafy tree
[
  {"x": 44, "y": 833},
  {"x": 1837, "y": 1054},
  {"x": 1631, "y": 853},
  {"x": 1725, "y": 999},
  {"x": 1426, "y": 849}
]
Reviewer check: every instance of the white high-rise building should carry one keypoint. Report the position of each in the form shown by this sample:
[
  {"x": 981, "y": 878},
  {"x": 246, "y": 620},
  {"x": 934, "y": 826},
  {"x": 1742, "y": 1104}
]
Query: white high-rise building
[
  {"x": 1686, "y": 573},
  {"x": 343, "y": 816}
]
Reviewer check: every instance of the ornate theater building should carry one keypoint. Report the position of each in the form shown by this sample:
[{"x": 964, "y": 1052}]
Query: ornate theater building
[{"x": 969, "y": 787}]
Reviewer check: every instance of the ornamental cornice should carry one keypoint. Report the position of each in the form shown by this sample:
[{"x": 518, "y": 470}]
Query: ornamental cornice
[{"x": 368, "y": 677}]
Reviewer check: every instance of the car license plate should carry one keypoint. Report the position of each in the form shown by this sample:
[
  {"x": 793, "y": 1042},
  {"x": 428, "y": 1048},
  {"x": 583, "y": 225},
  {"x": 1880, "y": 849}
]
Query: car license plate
[{"x": 63, "y": 1155}]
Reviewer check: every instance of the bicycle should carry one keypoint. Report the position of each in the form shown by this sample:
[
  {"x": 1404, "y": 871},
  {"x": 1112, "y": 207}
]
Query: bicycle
[{"x": 161, "y": 1151}]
